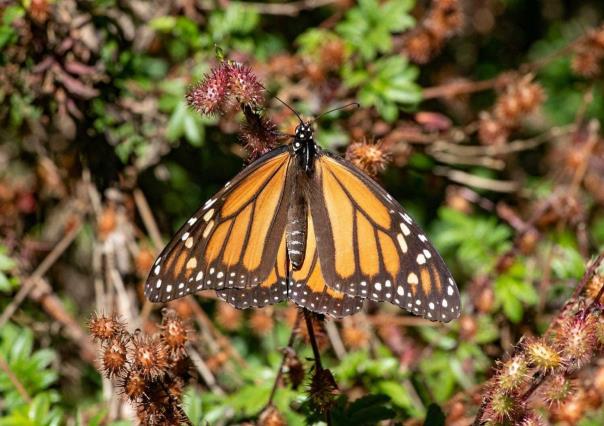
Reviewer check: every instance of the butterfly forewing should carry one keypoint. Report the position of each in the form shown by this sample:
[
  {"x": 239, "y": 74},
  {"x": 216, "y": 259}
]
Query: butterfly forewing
[
  {"x": 233, "y": 240},
  {"x": 369, "y": 247}
]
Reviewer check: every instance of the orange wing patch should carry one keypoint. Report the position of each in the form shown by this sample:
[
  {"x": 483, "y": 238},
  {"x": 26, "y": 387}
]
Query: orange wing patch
[
  {"x": 308, "y": 287},
  {"x": 358, "y": 191}
]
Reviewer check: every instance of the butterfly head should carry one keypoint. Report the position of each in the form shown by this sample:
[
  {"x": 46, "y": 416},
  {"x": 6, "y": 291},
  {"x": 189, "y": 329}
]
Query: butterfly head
[
  {"x": 303, "y": 134},
  {"x": 304, "y": 145}
]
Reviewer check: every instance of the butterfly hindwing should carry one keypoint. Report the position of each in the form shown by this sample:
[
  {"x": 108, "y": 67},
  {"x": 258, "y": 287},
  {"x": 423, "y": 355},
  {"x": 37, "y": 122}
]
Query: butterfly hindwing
[
  {"x": 233, "y": 240},
  {"x": 369, "y": 247},
  {"x": 308, "y": 286},
  {"x": 273, "y": 289}
]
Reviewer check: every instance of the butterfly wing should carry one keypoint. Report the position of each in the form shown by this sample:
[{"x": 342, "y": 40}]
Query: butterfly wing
[
  {"x": 308, "y": 286},
  {"x": 369, "y": 247},
  {"x": 273, "y": 289},
  {"x": 234, "y": 239}
]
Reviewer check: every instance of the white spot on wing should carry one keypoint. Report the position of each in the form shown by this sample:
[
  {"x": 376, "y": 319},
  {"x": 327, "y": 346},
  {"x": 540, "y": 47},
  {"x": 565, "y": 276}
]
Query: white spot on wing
[{"x": 401, "y": 242}]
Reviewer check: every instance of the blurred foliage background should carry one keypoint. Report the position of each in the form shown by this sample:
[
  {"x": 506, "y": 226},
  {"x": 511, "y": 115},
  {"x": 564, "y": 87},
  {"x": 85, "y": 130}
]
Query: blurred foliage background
[{"x": 485, "y": 113}]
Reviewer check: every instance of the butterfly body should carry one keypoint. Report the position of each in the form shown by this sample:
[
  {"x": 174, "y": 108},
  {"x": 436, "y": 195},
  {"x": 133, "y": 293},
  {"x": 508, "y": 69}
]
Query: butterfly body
[{"x": 305, "y": 225}]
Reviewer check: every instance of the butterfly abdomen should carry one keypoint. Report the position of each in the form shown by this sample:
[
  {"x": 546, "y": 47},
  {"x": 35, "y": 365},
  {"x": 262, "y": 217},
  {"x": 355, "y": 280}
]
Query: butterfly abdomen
[{"x": 296, "y": 231}]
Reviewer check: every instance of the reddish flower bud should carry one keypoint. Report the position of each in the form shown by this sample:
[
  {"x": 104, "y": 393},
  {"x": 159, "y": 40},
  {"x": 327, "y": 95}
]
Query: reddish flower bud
[
  {"x": 244, "y": 85},
  {"x": 210, "y": 96}
]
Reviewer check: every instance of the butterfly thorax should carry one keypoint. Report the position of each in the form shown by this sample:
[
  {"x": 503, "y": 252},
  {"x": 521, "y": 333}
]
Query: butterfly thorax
[{"x": 304, "y": 147}]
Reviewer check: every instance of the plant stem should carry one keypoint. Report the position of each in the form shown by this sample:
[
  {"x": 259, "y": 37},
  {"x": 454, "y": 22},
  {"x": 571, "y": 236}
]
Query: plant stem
[{"x": 313, "y": 340}]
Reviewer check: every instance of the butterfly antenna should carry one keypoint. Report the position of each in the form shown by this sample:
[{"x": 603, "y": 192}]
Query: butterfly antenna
[
  {"x": 283, "y": 102},
  {"x": 354, "y": 104}
]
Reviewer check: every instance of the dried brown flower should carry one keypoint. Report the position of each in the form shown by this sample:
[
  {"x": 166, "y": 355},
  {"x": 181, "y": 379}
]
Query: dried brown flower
[
  {"x": 149, "y": 356},
  {"x": 323, "y": 389},
  {"x": 372, "y": 158},
  {"x": 355, "y": 337},
  {"x": 492, "y": 131},
  {"x": 133, "y": 385},
  {"x": 174, "y": 334},
  {"x": 421, "y": 44},
  {"x": 520, "y": 98},
  {"x": 114, "y": 357},
  {"x": 261, "y": 322},
  {"x": 228, "y": 317},
  {"x": 271, "y": 417},
  {"x": 103, "y": 327},
  {"x": 445, "y": 18}
]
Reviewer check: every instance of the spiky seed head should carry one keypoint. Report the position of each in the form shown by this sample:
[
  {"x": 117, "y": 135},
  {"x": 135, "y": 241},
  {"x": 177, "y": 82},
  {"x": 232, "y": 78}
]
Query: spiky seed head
[
  {"x": 133, "y": 385},
  {"x": 149, "y": 356},
  {"x": 210, "y": 96},
  {"x": 244, "y": 85},
  {"x": 503, "y": 407},
  {"x": 323, "y": 389},
  {"x": 557, "y": 390},
  {"x": 104, "y": 327},
  {"x": 174, "y": 334},
  {"x": 115, "y": 357},
  {"x": 370, "y": 157},
  {"x": 577, "y": 339},
  {"x": 542, "y": 355},
  {"x": 513, "y": 374}
]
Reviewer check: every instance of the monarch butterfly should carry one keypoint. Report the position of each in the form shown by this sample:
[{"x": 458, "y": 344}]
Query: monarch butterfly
[{"x": 303, "y": 224}]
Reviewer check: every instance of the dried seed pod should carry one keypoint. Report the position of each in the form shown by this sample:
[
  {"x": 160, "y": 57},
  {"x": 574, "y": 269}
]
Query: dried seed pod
[
  {"x": 114, "y": 357},
  {"x": 372, "y": 158},
  {"x": 149, "y": 356},
  {"x": 323, "y": 389},
  {"x": 103, "y": 327}
]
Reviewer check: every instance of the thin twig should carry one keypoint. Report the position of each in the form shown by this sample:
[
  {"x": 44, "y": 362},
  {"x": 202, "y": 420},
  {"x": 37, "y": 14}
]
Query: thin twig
[
  {"x": 290, "y": 343},
  {"x": 30, "y": 282},
  {"x": 469, "y": 179},
  {"x": 14, "y": 380},
  {"x": 145, "y": 211},
  {"x": 204, "y": 370},
  {"x": 43, "y": 295},
  {"x": 335, "y": 339},
  {"x": 455, "y": 88}
]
